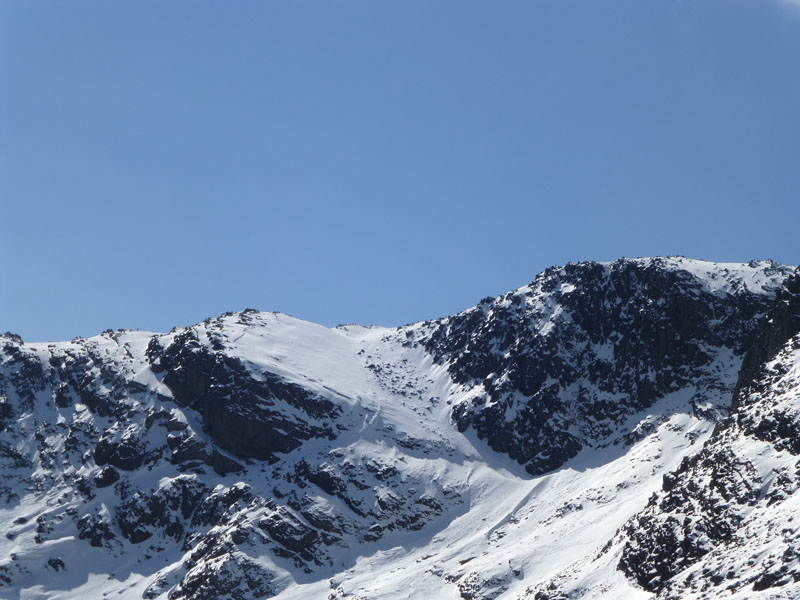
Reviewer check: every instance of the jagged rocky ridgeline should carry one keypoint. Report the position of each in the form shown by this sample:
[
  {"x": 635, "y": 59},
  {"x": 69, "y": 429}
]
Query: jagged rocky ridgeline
[{"x": 255, "y": 455}]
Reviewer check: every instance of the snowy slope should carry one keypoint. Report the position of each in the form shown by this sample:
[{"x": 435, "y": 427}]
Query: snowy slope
[{"x": 511, "y": 451}]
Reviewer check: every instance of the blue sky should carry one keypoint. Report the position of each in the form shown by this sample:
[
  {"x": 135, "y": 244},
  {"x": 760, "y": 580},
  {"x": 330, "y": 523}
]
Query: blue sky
[{"x": 378, "y": 162}]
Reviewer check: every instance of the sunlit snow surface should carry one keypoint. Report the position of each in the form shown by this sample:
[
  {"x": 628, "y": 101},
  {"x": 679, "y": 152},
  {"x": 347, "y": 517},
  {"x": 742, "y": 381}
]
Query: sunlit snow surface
[{"x": 502, "y": 530}]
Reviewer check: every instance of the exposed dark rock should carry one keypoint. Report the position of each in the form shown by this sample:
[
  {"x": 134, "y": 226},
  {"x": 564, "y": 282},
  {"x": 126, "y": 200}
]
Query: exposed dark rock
[
  {"x": 582, "y": 347},
  {"x": 6, "y": 412},
  {"x": 474, "y": 586},
  {"x": 12, "y": 337},
  {"x": 56, "y": 564},
  {"x": 216, "y": 505},
  {"x": 127, "y": 453},
  {"x": 96, "y": 529},
  {"x": 233, "y": 577},
  {"x": 223, "y": 465},
  {"x": 106, "y": 477},
  {"x": 166, "y": 510},
  {"x": 700, "y": 511},
  {"x": 243, "y": 413},
  {"x": 61, "y": 397},
  {"x": 781, "y": 323},
  {"x": 288, "y": 530}
]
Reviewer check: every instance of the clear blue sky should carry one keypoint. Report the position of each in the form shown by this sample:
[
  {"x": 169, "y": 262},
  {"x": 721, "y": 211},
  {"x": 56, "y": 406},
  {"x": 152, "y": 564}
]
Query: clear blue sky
[{"x": 378, "y": 162}]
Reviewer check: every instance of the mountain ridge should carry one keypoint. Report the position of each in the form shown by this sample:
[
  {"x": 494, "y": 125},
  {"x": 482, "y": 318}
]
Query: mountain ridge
[{"x": 256, "y": 455}]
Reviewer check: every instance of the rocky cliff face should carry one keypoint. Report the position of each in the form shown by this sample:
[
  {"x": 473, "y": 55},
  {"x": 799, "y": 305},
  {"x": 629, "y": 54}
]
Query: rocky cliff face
[
  {"x": 721, "y": 524},
  {"x": 724, "y": 505},
  {"x": 573, "y": 438},
  {"x": 560, "y": 363},
  {"x": 251, "y": 413}
]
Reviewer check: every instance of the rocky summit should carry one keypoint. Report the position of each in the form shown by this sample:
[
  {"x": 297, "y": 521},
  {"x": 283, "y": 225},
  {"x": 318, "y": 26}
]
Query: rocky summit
[{"x": 611, "y": 430}]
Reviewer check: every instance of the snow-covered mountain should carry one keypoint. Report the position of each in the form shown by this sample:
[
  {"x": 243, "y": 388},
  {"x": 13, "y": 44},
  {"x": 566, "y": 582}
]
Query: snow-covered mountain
[{"x": 611, "y": 430}]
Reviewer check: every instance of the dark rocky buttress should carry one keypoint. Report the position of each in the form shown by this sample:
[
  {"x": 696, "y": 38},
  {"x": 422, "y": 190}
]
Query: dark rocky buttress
[
  {"x": 713, "y": 510},
  {"x": 558, "y": 364},
  {"x": 253, "y": 415}
]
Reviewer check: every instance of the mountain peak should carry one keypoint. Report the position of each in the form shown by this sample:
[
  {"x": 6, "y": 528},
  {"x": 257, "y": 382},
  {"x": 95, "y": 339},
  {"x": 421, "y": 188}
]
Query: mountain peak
[{"x": 524, "y": 448}]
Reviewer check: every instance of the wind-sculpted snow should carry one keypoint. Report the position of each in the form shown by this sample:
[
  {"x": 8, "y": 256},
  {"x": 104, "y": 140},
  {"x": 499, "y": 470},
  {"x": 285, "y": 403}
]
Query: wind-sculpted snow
[{"x": 553, "y": 442}]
